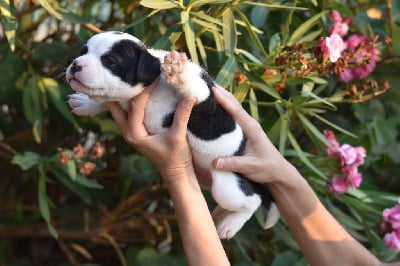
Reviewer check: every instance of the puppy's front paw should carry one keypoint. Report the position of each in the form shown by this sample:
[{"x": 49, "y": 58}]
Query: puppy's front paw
[
  {"x": 174, "y": 68},
  {"x": 83, "y": 105}
]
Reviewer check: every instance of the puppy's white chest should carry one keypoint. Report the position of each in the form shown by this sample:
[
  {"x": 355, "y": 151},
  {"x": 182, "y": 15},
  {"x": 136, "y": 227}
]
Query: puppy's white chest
[{"x": 162, "y": 103}]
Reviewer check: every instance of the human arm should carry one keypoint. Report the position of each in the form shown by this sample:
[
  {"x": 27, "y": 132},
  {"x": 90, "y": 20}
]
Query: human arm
[
  {"x": 321, "y": 238},
  {"x": 170, "y": 154}
]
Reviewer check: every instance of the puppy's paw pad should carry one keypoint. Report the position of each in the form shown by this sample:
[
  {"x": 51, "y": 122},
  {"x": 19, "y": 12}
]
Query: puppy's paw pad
[
  {"x": 174, "y": 67},
  {"x": 228, "y": 226}
]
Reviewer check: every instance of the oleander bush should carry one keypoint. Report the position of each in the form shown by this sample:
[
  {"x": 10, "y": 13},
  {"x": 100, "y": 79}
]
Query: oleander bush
[{"x": 321, "y": 76}]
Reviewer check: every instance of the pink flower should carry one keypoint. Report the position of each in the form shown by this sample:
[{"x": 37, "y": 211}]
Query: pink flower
[
  {"x": 350, "y": 159},
  {"x": 392, "y": 240},
  {"x": 347, "y": 75},
  {"x": 331, "y": 138},
  {"x": 340, "y": 26},
  {"x": 392, "y": 216},
  {"x": 347, "y": 154},
  {"x": 337, "y": 185},
  {"x": 332, "y": 47},
  {"x": 352, "y": 176},
  {"x": 364, "y": 54}
]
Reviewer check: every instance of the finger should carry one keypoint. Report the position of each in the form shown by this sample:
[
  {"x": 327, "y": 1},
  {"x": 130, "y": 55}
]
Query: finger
[
  {"x": 181, "y": 118},
  {"x": 137, "y": 106},
  {"x": 235, "y": 109},
  {"x": 232, "y": 164},
  {"x": 119, "y": 115}
]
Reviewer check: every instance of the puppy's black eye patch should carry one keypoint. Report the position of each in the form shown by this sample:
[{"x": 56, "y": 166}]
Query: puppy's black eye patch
[
  {"x": 84, "y": 50},
  {"x": 110, "y": 61}
]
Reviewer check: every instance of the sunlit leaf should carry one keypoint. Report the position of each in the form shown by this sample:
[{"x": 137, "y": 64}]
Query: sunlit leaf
[
  {"x": 227, "y": 72},
  {"x": 189, "y": 36},
  {"x": 253, "y": 105},
  {"x": 229, "y": 32},
  {"x": 160, "y": 4},
  {"x": 7, "y": 17}
]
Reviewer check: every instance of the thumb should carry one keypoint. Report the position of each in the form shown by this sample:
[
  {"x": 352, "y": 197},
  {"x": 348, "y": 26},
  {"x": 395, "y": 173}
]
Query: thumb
[{"x": 232, "y": 163}]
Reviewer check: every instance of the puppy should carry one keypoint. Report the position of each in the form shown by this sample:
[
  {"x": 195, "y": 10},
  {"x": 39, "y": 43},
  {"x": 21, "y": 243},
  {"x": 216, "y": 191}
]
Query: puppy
[{"x": 115, "y": 66}]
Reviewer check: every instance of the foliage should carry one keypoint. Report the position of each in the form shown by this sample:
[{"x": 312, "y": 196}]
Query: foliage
[{"x": 54, "y": 212}]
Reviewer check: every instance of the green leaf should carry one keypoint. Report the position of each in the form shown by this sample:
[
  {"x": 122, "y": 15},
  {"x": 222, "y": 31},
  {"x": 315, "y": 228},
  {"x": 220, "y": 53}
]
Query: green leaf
[
  {"x": 31, "y": 99},
  {"x": 48, "y": 5},
  {"x": 226, "y": 74},
  {"x": 252, "y": 34},
  {"x": 27, "y": 160},
  {"x": 266, "y": 88},
  {"x": 229, "y": 32},
  {"x": 313, "y": 129},
  {"x": 311, "y": 36},
  {"x": 55, "y": 95},
  {"x": 332, "y": 124},
  {"x": 9, "y": 22},
  {"x": 253, "y": 105},
  {"x": 304, "y": 28},
  {"x": 160, "y": 4},
  {"x": 43, "y": 199},
  {"x": 198, "y": 3},
  {"x": 189, "y": 36},
  {"x": 274, "y": 42},
  {"x": 249, "y": 55},
  {"x": 75, "y": 187},
  {"x": 303, "y": 157},
  {"x": 241, "y": 91},
  {"x": 90, "y": 183}
]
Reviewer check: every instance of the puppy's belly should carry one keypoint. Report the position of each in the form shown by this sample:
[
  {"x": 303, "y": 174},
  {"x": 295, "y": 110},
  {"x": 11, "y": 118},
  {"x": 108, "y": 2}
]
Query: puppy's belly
[{"x": 205, "y": 151}]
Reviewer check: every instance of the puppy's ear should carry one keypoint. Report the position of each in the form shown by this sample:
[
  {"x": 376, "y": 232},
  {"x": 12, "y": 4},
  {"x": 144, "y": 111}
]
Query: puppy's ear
[{"x": 148, "y": 68}]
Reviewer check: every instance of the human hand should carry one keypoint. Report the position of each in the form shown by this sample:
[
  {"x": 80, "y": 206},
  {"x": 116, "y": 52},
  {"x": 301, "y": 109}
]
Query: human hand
[
  {"x": 169, "y": 151},
  {"x": 261, "y": 161}
]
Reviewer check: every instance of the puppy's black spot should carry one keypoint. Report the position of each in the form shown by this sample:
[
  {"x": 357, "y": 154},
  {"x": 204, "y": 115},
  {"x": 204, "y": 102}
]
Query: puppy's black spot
[
  {"x": 131, "y": 62},
  {"x": 84, "y": 50},
  {"x": 250, "y": 187}
]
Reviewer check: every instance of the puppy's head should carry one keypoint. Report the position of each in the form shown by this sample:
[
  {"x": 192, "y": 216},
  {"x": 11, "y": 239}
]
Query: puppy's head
[{"x": 113, "y": 66}]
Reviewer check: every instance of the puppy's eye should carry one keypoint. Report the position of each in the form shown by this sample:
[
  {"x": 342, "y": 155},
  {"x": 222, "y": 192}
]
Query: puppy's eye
[
  {"x": 84, "y": 50},
  {"x": 109, "y": 61}
]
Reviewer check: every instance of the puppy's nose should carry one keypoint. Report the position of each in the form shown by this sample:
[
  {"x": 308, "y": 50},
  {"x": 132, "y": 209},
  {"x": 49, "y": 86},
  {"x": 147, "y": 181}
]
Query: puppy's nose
[{"x": 76, "y": 67}]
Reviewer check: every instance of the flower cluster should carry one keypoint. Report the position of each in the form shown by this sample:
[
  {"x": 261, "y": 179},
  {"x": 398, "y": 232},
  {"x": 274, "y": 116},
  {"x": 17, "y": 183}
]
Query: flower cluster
[
  {"x": 86, "y": 166},
  {"x": 350, "y": 159},
  {"x": 391, "y": 225},
  {"x": 350, "y": 56},
  {"x": 361, "y": 47}
]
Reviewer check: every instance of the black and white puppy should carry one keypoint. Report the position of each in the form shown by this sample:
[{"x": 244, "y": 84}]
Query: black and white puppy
[{"x": 115, "y": 66}]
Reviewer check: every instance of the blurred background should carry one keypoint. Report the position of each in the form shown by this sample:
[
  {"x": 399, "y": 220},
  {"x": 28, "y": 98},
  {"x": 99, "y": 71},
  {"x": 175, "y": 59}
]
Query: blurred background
[{"x": 73, "y": 193}]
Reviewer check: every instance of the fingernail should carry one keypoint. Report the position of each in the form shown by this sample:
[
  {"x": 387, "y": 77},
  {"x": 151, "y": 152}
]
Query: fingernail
[{"x": 219, "y": 163}]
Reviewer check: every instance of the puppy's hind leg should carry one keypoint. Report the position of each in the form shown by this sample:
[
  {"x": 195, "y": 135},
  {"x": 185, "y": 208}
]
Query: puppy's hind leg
[{"x": 235, "y": 207}]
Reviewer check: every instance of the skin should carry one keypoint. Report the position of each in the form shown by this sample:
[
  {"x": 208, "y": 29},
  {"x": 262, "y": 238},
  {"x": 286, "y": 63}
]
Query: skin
[{"x": 322, "y": 239}]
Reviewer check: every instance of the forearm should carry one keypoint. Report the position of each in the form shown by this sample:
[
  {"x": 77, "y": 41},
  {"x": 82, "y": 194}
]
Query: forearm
[
  {"x": 322, "y": 239},
  {"x": 199, "y": 236}
]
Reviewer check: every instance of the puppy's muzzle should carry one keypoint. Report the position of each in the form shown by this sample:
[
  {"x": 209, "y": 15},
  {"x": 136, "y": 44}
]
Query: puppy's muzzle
[{"x": 76, "y": 67}]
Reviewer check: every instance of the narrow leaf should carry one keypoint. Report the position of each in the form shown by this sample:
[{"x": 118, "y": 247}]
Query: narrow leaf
[
  {"x": 303, "y": 157},
  {"x": 253, "y": 105},
  {"x": 229, "y": 32},
  {"x": 226, "y": 74},
  {"x": 159, "y": 4},
  {"x": 9, "y": 22},
  {"x": 304, "y": 28},
  {"x": 189, "y": 36}
]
